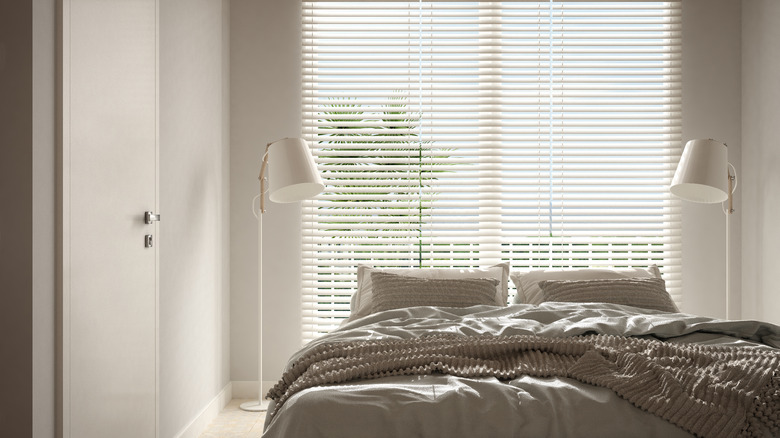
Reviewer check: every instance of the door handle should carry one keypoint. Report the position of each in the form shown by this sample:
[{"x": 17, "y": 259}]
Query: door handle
[{"x": 150, "y": 217}]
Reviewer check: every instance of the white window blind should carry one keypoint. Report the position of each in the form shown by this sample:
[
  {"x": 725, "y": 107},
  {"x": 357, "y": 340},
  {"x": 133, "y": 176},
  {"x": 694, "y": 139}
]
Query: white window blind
[{"x": 458, "y": 134}]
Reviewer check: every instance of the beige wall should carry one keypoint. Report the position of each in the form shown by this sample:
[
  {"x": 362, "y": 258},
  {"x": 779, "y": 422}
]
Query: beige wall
[
  {"x": 16, "y": 218},
  {"x": 194, "y": 204},
  {"x": 761, "y": 158}
]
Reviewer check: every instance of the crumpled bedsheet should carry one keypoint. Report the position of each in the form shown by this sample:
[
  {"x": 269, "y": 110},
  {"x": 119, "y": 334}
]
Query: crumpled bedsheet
[{"x": 447, "y": 406}]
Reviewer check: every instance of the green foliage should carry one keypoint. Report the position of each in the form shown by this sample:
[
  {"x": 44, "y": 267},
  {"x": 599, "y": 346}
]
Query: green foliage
[{"x": 386, "y": 143}]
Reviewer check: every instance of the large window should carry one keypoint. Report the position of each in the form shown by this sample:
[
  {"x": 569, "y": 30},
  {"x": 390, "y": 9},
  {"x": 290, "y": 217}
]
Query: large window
[{"x": 454, "y": 134}]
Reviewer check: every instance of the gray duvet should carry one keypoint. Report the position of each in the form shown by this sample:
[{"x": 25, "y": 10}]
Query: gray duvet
[{"x": 443, "y": 405}]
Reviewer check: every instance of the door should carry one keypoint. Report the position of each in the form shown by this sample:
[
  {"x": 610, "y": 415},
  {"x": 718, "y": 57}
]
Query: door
[{"x": 109, "y": 175}]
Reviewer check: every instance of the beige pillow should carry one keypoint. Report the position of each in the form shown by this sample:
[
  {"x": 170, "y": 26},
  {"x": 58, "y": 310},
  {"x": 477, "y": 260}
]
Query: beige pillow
[
  {"x": 647, "y": 293},
  {"x": 527, "y": 283},
  {"x": 361, "y": 302},
  {"x": 393, "y": 291}
]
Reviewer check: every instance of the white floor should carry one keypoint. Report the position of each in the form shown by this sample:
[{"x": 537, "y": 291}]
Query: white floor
[{"x": 232, "y": 422}]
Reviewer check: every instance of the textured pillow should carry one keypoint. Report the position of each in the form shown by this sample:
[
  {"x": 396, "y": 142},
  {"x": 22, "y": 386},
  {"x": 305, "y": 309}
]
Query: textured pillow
[
  {"x": 361, "y": 303},
  {"x": 393, "y": 291},
  {"x": 647, "y": 293},
  {"x": 527, "y": 283}
]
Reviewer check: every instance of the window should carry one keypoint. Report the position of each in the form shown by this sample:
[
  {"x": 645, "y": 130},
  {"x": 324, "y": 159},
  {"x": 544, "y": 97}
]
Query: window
[{"x": 455, "y": 134}]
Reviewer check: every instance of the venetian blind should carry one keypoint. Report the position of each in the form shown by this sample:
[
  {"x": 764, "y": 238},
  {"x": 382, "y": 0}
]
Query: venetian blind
[{"x": 463, "y": 134}]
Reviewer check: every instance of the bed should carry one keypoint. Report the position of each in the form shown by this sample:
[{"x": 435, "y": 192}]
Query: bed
[{"x": 463, "y": 364}]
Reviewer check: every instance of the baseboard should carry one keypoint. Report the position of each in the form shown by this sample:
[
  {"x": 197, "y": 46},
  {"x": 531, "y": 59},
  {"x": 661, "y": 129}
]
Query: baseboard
[
  {"x": 208, "y": 414},
  {"x": 247, "y": 389}
]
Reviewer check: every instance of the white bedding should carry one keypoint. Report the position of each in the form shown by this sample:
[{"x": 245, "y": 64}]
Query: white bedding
[{"x": 441, "y": 405}]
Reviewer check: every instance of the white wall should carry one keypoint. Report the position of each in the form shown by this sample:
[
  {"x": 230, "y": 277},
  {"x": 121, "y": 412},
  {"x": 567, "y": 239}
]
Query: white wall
[
  {"x": 761, "y": 158},
  {"x": 265, "y": 105},
  {"x": 711, "y": 109},
  {"x": 194, "y": 204}
]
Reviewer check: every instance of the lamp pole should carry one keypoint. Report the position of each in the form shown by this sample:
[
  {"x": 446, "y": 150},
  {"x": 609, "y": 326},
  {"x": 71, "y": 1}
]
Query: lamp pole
[
  {"x": 295, "y": 178},
  {"x": 261, "y": 404}
]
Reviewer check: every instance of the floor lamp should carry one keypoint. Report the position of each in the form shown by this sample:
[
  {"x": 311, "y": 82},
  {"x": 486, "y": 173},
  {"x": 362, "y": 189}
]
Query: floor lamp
[
  {"x": 293, "y": 177},
  {"x": 704, "y": 175}
]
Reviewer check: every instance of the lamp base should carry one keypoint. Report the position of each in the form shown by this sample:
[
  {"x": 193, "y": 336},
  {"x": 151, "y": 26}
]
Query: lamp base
[{"x": 255, "y": 406}]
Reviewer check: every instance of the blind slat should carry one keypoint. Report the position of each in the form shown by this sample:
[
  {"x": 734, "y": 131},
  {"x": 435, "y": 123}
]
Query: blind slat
[{"x": 454, "y": 134}]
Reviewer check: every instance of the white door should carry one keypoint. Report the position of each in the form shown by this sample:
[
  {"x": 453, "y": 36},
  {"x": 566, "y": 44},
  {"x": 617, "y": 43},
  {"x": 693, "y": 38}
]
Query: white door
[{"x": 109, "y": 175}]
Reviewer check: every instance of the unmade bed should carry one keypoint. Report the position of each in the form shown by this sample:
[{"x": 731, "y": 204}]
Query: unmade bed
[{"x": 543, "y": 369}]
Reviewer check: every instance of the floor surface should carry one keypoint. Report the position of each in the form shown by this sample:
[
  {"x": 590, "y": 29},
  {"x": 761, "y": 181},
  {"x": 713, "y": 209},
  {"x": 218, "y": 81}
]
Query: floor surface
[{"x": 232, "y": 422}]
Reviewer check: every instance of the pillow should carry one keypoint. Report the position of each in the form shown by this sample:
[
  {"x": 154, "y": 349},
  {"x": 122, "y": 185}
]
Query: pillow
[
  {"x": 391, "y": 291},
  {"x": 647, "y": 293},
  {"x": 361, "y": 301},
  {"x": 528, "y": 290}
]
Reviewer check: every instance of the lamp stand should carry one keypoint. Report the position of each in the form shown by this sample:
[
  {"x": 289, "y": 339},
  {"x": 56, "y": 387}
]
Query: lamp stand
[
  {"x": 729, "y": 210},
  {"x": 261, "y": 404},
  {"x": 698, "y": 178},
  {"x": 727, "y": 268},
  {"x": 296, "y": 178}
]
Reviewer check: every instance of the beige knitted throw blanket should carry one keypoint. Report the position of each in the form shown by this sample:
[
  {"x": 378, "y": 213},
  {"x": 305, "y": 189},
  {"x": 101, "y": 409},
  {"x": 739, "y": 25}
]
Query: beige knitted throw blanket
[{"x": 710, "y": 391}]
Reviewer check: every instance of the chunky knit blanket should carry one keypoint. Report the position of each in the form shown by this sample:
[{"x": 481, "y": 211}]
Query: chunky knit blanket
[{"x": 710, "y": 391}]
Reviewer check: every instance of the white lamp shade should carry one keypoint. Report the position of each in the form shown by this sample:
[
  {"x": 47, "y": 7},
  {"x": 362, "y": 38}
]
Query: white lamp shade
[
  {"x": 702, "y": 175},
  {"x": 293, "y": 175}
]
